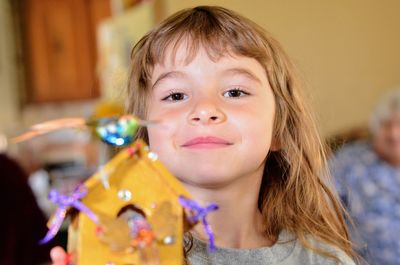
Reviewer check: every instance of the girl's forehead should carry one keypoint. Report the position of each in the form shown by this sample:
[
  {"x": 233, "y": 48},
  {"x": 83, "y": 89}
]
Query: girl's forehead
[
  {"x": 181, "y": 50},
  {"x": 180, "y": 57},
  {"x": 181, "y": 60},
  {"x": 182, "y": 54}
]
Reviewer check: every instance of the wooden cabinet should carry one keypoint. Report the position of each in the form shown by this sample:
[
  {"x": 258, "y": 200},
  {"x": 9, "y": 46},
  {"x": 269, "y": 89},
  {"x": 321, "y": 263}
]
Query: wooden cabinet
[{"x": 60, "y": 48}]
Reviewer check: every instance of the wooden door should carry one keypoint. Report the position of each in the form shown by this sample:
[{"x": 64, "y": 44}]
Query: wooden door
[{"x": 61, "y": 49}]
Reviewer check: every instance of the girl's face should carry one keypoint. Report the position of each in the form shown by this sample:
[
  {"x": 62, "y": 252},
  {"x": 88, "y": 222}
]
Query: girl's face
[{"x": 216, "y": 118}]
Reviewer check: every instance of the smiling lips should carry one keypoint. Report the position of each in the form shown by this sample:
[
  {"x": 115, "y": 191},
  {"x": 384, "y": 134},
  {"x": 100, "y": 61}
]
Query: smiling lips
[{"x": 207, "y": 142}]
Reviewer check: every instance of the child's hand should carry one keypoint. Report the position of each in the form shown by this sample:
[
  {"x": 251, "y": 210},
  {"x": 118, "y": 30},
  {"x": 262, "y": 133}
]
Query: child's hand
[{"x": 58, "y": 256}]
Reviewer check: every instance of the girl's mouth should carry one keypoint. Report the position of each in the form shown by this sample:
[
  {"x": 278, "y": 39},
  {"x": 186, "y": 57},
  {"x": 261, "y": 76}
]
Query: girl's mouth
[{"x": 206, "y": 142}]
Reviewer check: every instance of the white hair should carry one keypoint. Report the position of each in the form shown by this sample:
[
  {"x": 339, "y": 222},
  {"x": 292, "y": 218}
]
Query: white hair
[{"x": 388, "y": 105}]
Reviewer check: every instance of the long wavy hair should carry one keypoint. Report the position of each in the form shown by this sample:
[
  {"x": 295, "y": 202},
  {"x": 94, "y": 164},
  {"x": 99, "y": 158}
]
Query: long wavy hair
[{"x": 295, "y": 194}]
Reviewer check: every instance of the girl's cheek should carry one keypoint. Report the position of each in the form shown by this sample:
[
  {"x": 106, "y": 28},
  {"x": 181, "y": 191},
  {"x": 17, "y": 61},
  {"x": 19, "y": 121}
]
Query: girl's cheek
[
  {"x": 171, "y": 114},
  {"x": 154, "y": 140}
]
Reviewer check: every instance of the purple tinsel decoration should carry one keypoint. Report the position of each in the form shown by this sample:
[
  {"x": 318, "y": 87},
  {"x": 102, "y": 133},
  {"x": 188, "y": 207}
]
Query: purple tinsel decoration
[
  {"x": 200, "y": 213},
  {"x": 64, "y": 203}
]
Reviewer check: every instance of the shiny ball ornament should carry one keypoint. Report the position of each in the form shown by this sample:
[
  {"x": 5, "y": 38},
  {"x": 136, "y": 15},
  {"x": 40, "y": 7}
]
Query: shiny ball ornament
[
  {"x": 125, "y": 195},
  {"x": 152, "y": 156},
  {"x": 117, "y": 131},
  {"x": 169, "y": 240}
]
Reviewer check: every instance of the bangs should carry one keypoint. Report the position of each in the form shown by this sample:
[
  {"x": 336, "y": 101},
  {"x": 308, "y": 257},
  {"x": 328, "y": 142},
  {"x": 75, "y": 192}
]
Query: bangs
[
  {"x": 214, "y": 48},
  {"x": 216, "y": 31}
]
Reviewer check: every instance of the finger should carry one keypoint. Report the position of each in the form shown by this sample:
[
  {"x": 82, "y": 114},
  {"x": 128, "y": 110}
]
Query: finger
[{"x": 58, "y": 256}]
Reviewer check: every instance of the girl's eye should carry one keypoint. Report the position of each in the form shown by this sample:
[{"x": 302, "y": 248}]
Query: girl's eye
[
  {"x": 175, "y": 96},
  {"x": 235, "y": 93}
]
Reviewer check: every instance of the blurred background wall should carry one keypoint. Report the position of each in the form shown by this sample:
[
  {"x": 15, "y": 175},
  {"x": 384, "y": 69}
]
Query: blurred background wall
[{"x": 8, "y": 71}]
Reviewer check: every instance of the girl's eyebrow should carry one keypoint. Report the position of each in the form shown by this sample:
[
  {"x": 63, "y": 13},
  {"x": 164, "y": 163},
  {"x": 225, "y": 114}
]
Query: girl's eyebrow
[
  {"x": 232, "y": 71},
  {"x": 243, "y": 71},
  {"x": 171, "y": 74}
]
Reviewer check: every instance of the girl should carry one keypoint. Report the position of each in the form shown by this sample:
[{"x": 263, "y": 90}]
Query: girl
[{"x": 235, "y": 131}]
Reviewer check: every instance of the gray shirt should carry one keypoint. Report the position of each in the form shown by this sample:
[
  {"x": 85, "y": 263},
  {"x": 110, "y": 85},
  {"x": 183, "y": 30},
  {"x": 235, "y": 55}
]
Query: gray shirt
[{"x": 287, "y": 250}]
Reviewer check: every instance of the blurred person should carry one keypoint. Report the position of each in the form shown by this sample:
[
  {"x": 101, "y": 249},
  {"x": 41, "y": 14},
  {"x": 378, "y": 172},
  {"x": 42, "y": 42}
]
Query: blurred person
[
  {"x": 22, "y": 223},
  {"x": 367, "y": 173}
]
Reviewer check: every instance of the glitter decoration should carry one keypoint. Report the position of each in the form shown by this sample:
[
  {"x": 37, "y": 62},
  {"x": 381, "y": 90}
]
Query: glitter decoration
[
  {"x": 104, "y": 178},
  {"x": 125, "y": 195},
  {"x": 169, "y": 240},
  {"x": 69, "y": 258},
  {"x": 131, "y": 151},
  {"x": 117, "y": 131},
  {"x": 99, "y": 230},
  {"x": 140, "y": 231},
  {"x": 152, "y": 156}
]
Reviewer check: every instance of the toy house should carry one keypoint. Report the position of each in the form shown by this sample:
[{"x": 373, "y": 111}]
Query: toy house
[
  {"x": 132, "y": 211},
  {"x": 139, "y": 219}
]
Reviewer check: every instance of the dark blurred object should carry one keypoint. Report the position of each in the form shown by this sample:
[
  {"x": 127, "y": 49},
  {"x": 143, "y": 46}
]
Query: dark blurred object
[{"x": 22, "y": 223}]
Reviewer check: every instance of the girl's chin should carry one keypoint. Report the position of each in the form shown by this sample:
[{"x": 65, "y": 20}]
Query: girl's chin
[{"x": 206, "y": 181}]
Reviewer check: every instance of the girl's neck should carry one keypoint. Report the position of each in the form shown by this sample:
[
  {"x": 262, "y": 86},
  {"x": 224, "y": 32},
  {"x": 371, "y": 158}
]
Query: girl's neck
[{"x": 237, "y": 223}]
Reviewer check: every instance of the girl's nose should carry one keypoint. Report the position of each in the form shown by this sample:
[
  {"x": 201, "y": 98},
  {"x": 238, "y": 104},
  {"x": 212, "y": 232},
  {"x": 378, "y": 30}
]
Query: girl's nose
[{"x": 206, "y": 113}]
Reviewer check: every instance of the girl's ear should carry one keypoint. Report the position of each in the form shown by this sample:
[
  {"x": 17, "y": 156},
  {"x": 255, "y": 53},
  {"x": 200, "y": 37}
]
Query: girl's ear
[{"x": 275, "y": 144}]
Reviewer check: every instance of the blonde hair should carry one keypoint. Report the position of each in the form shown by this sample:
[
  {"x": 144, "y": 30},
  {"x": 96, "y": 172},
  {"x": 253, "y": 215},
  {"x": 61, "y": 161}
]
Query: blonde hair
[{"x": 293, "y": 196}]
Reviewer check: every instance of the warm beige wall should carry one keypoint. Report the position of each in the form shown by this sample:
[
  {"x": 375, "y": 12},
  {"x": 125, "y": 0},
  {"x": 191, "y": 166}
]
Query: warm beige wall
[
  {"x": 348, "y": 50},
  {"x": 8, "y": 72}
]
